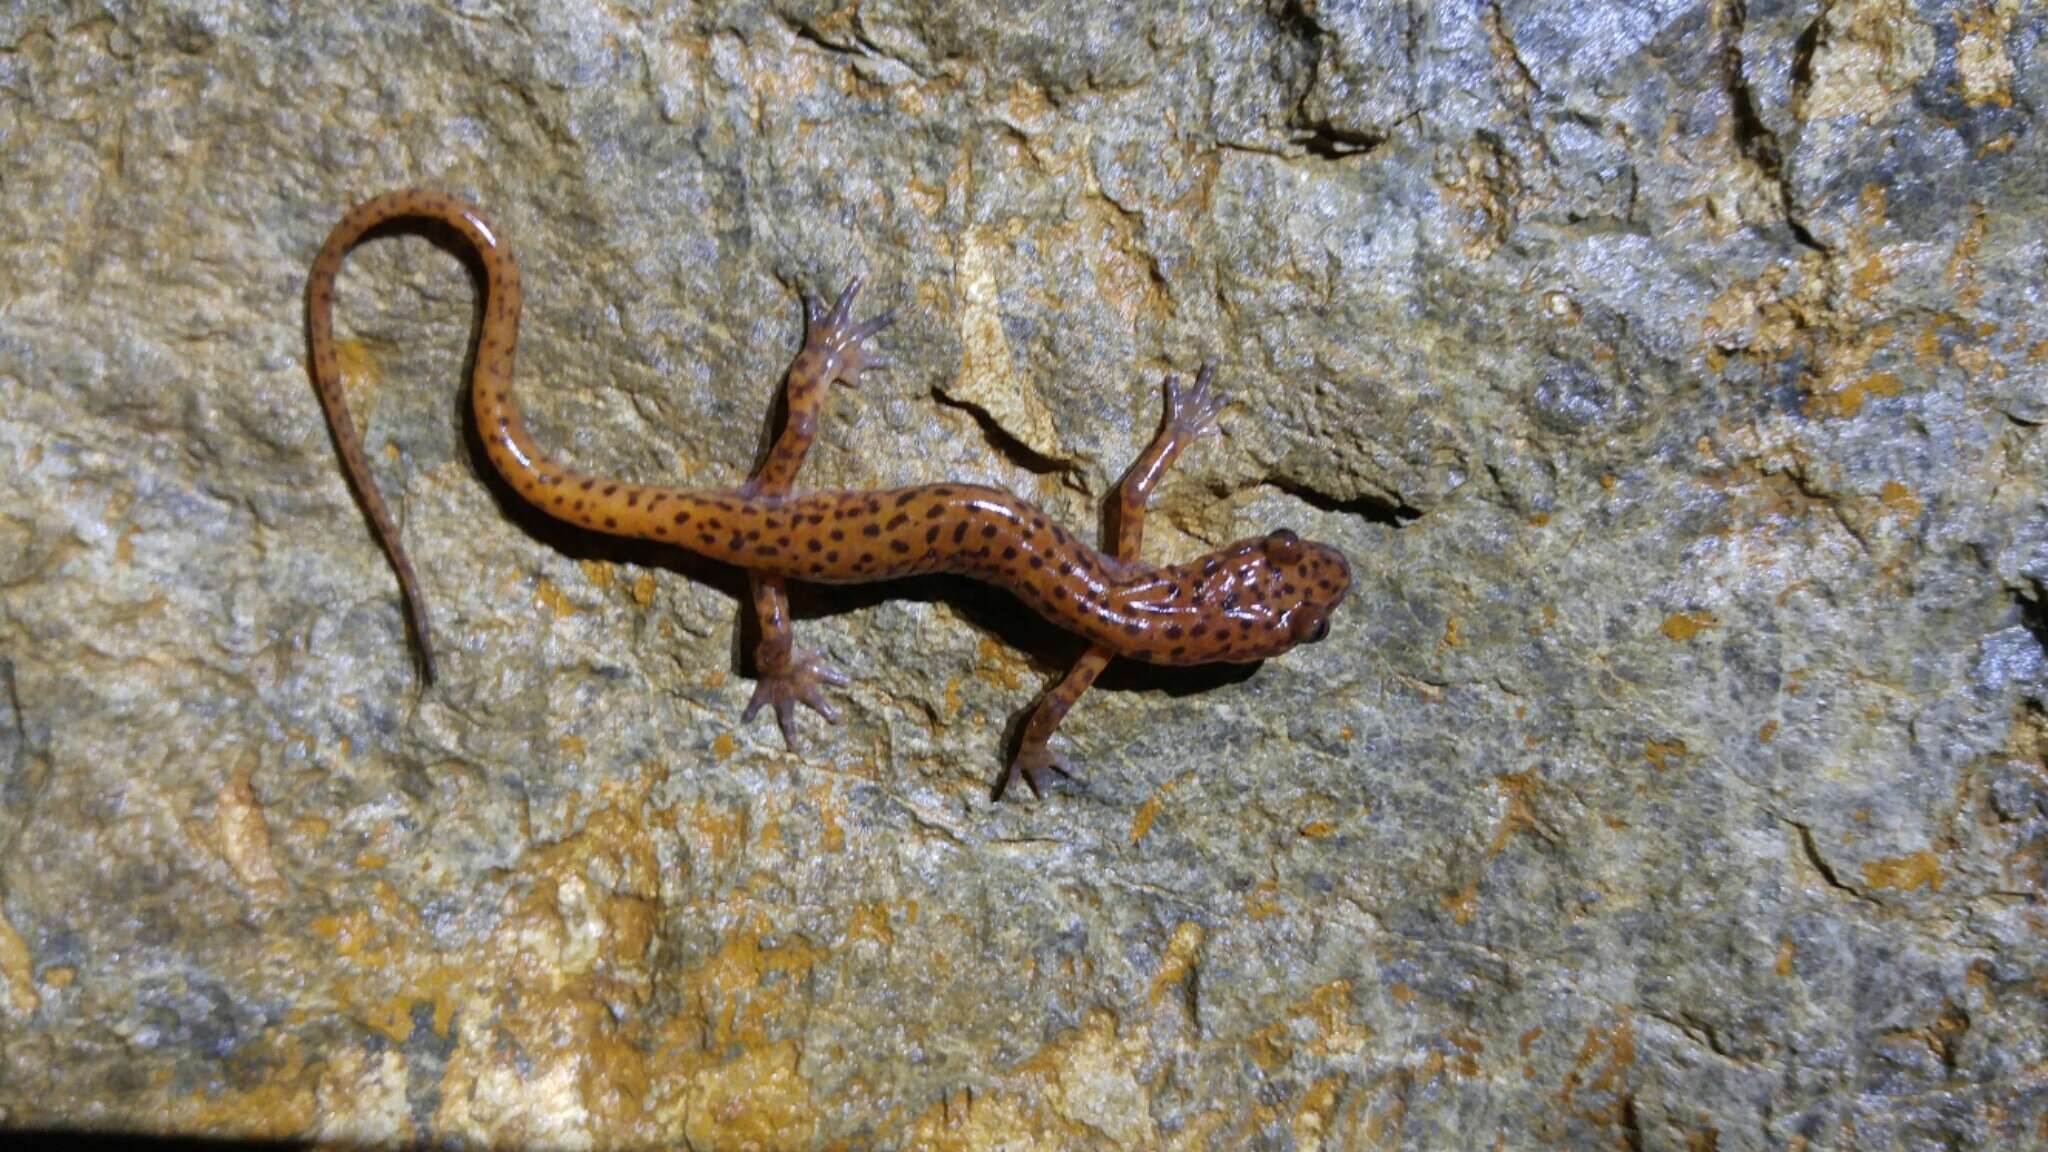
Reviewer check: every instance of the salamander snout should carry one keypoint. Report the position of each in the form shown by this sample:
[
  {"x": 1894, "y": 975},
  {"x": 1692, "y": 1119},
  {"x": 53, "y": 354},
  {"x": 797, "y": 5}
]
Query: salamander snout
[{"x": 1320, "y": 578}]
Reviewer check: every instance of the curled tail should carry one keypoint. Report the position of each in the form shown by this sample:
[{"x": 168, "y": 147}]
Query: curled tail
[{"x": 511, "y": 451}]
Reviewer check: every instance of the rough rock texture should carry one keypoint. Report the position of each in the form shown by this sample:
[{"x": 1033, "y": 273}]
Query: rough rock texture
[{"x": 1673, "y": 373}]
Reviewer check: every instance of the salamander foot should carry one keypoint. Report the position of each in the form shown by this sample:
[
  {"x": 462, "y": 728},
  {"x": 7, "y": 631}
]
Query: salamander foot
[
  {"x": 841, "y": 342},
  {"x": 802, "y": 682},
  {"x": 1192, "y": 414},
  {"x": 1033, "y": 764}
]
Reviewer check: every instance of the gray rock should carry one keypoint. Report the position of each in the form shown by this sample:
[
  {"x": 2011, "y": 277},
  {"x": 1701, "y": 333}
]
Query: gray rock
[{"x": 1675, "y": 777}]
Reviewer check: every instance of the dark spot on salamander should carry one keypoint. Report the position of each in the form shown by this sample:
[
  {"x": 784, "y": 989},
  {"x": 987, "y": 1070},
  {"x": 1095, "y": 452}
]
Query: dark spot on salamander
[
  {"x": 871, "y": 530},
  {"x": 931, "y": 535},
  {"x": 898, "y": 521},
  {"x": 905, "y": 496},
  {"x": 898, "y": 546},
  {"x": 960, "y": 531}
]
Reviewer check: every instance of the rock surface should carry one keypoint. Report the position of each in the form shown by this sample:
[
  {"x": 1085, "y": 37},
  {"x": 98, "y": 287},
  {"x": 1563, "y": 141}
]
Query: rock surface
[{"x": 1675, "y": 777}]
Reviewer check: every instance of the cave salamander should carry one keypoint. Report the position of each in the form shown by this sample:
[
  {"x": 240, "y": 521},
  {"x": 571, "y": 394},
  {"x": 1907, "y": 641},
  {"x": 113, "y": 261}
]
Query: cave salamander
[{"x": 1253, "y": 599}]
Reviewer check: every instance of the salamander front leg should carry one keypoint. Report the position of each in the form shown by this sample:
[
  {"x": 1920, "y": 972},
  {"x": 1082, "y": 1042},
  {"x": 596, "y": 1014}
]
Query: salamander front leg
[
  {"x": 1190, "y": 414},
  {"x": 834, "y": 348},
  {"x": 1035, "y": 755}
]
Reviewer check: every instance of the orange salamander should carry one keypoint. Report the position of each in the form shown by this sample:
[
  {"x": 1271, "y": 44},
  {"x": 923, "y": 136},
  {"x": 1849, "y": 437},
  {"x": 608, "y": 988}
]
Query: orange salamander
[{"x": 1253, "y": 599}]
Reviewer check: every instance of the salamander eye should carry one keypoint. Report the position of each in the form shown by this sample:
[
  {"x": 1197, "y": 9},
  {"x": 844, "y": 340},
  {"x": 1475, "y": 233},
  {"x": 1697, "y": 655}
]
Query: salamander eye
[{"x": 1283, "y": 547}]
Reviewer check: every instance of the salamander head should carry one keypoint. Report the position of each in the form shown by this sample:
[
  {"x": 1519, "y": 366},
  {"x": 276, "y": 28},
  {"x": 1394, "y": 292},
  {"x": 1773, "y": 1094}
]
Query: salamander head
[{"x": 1262, "y": 596}]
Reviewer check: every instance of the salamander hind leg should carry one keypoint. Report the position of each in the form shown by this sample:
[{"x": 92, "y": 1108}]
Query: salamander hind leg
[{"x": 834, "y": 348}]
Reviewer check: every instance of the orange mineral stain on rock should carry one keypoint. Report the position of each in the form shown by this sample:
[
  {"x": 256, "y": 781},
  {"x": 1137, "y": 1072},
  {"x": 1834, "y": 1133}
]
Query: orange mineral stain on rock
[
  {"x": 1660, "y": 754},
  {"x": 1846, "y": 401},
  {"x": 17, "y": 968},
  {"x": 758, "y": 1100},
  {"x": 242, "y": 838},
  {"x": 279, "y": 1106},
  {"x": 996, "y": 663},
  {"x": 831, "y": 833},
  {"x": 547, "y": 595},
  {"x": 543, "y": 1051},
  {"x": 1898, "y": 499},
  {"x": 1141, "y": 820},
  {"x": 1088, "y": 1077},
  {"x": 1601, "y": 1069},
  {"x": 600, "y": 574},
  {"x": 1259, "y": 903},
  {"x": 870, "y": 923},
  {"x": 1183, "y": 949},
  {"x": 1519, "y": 790},
  {"x": 1683, "y": 626},
  {"x": 1462, "y": 903},
  {"x": 717, "y": 831},
  {"x": 1314, "y": 1114},
  {"x": 1903, "y": 873},
  {"x": 1984, "y": 70}
]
